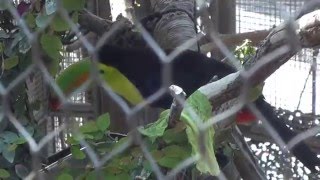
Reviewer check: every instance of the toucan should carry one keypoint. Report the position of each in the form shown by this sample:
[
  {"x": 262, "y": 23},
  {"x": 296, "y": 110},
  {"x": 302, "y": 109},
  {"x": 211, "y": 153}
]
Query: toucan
[{"x": 189, "y": 70}]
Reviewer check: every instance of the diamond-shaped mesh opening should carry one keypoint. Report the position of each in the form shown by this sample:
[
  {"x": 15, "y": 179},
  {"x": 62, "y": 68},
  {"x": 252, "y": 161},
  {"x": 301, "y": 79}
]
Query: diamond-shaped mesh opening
[{"x": 55, "y": 123}]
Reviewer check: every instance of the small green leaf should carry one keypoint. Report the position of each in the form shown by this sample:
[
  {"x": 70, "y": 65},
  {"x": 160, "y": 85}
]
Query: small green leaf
[
  {"x": 157, "y": 154},
  {"x": 157, "y": 128},
  {"x": 169, "y": 162},
  {"x": 11, "y": 62},
  {"x": 8, "y": 155},
  {"x": 77, "y": 153},
  {"x": 172, "y": 136},
  {"x": 31, "y": 20},
  {"x": 52, "y": 45},
  {"x": 20, "y": 140},
  {"x": 9, "y": 137},
  {"x": 92, "y": 175},
  {"x": 21, "y": 171},
  {"x": 12, "y": 147},
  {"x": 43, "y": 20},
  {"x": 65, "y": 176},
  {"x": 98, "y": 135},
  {"x": 24, "y": 45},
  {"x": 175, "y": 151},
  {"x": 88, "y": 136},
  {"x": 4, "y": 173},
  {"x": 256, "y": 92},
  {"x": 73, "y": 5},
  {"x": 89, "y": 127},
  {"x": 59, "y": 24},
  {"x": 53, "y": 66},
  {"x": 112, "y": 176},
  {"x": 72, "y": 140},
  {"x": 103, "y": 122}
]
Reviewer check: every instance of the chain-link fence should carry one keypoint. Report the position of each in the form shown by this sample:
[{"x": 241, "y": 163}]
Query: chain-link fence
[{"x": 46, "y": 117}]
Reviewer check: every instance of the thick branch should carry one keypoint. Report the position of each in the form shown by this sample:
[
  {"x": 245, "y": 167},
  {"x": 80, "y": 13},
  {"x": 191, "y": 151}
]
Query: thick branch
[
  {"x": 94, "y": 23},
  {"x": 233, "y": 39},
  {"x": 276, "y": 49}
]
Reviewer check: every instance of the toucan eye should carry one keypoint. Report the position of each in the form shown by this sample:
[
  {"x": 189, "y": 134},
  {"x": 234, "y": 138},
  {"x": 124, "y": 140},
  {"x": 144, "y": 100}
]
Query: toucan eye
[{"x": 101, "y": 71}]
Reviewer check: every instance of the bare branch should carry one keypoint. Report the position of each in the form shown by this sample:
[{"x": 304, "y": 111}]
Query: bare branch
[{"x": 176, "y": 107}]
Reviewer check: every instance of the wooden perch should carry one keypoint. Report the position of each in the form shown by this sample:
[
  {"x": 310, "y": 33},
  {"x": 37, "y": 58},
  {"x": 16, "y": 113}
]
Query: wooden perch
[
  {"x": 234, "y": 39},
  {"x": 93, "y": 23}
]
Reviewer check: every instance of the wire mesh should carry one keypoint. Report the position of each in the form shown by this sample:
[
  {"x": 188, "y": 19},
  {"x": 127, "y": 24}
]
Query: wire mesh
[{"x": 251, "y": 15}]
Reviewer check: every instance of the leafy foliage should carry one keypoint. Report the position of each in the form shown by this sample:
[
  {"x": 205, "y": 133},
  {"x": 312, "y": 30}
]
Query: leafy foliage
[
  {"x": 244, "y": 51},
  {"x": 168, "y": 146},
  {"x": 15, "y": 53}
]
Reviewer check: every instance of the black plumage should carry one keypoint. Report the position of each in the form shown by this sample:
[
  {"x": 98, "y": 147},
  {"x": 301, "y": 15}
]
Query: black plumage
[{"x": 190, "y": 70}]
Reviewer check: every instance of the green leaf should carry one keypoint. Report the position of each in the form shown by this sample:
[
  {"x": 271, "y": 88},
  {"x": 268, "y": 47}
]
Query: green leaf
[
  {"x": 65, "y": 176},
  {"x": 98, "y": 135},
  {"x": 122, "y": 176},
  {"x": 72, "y": 140},
  {"x": 52, "y": 45},
  {"x": 59, "y": 24},
  {"x": 200, "y": 105},
  {"x": 73, "y": 5},
  {"x": 24, "y": 45},
  {"x": 156, "y": 129},
  {"x": 256, "y": 92},
  {"x": 4, "y": 173},
  {"x": 53, "y": 66},
  {"x": 89, "y": 127},
  {"x": 12, "y": 147},
  {"x": 103, "y": 122},
  {"x": 21, "y": 171},
  {"x": 11, "y": 62},
  {"x": 31, "y": 20},
  {"x": 92, "y": 175},
  {"x": 8, "y": 155},
  {"x": 147, "y": 166},
  {"x": 9, "y": 137},
  {"x": 169, "y": 162},
  {"x": 77, "y": 153},
  {"x": 43, "y": 20},
  {"x": 175, "y": 151},
  {"x": 176, "y": 135},
  {"x": 20, "y": 140}
]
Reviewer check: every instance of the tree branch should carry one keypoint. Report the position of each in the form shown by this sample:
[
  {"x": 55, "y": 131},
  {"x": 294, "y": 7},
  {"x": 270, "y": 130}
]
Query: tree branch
[
  {"x": 279, "y": 46},
  {"x": 94, "y": 23},
  {"x": 233, "y": 39}
]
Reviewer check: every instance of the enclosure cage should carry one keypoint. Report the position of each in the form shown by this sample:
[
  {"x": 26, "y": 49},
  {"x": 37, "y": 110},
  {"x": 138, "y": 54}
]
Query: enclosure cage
[{"x": 293, "y": 89}]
